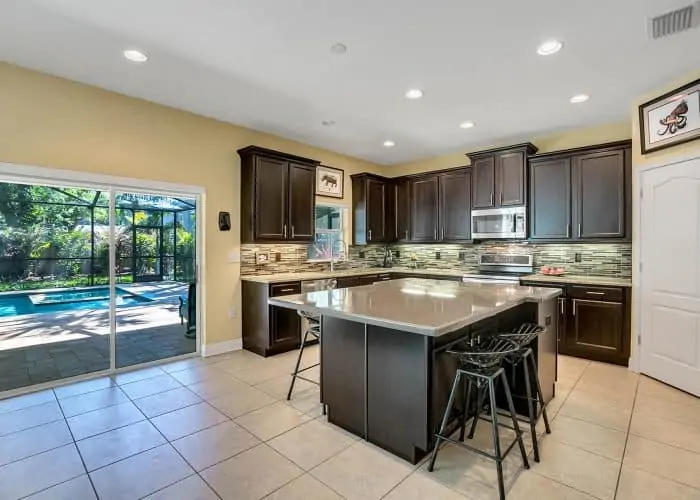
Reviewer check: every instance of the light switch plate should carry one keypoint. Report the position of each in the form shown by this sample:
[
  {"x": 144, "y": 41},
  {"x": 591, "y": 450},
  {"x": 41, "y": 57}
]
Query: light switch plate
[{"x": 234, "y": 256}]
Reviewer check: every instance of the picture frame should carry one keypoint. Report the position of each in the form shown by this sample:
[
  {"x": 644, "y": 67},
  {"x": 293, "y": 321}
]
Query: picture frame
[
  {"x": 670, "y": 119},
  {"x": 330, "y": 182}
]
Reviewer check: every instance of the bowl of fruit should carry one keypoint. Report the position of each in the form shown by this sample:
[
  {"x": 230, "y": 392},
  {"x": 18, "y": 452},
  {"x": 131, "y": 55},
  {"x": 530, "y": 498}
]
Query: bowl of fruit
[{"x": 552, "y": 271}]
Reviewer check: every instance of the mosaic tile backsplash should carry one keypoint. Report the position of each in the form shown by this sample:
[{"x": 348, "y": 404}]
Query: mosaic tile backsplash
[{"x": 600, "y": 259}]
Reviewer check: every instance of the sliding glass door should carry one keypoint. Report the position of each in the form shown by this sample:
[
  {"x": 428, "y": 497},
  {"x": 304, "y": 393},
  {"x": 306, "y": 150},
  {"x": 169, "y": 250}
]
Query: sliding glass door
[
  {"x": 155, "y": 280},
  {"x": 93, "y": 279}
]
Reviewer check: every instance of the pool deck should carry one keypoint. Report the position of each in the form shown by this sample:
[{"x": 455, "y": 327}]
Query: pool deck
[{"x": 37, "y": 348}]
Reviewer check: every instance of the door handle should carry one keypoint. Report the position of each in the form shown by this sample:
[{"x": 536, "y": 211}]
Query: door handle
[
  {"x": 285, "y": 231},
  {"x": 292, "y": 231}
]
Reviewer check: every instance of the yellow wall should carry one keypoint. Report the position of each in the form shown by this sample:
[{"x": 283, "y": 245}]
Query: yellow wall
[
  {"x": 52, "y": 122},
  {"x": 553, "y": 142}
]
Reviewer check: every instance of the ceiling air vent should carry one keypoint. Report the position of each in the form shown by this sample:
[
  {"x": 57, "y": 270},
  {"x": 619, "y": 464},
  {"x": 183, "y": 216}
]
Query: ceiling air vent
[{"x": 675, "y": 21}]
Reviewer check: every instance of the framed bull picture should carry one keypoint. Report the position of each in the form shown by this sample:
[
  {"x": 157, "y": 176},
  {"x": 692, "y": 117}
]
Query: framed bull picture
[
  {"x": 329, "y": 181},
  {"x": 670, "y": 119}
]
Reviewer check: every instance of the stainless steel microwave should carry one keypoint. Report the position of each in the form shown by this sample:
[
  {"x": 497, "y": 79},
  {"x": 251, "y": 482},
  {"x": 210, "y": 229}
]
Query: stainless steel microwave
[{"x": 499, "y": 223}]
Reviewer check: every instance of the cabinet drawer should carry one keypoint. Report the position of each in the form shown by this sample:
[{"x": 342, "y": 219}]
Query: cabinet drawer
[
  {"x": 595, "y": 293},
  {"x": 285, "y": 288}
]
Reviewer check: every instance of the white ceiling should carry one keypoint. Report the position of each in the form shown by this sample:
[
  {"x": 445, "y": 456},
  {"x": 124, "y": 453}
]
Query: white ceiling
[{"x": 266, "y": 64}]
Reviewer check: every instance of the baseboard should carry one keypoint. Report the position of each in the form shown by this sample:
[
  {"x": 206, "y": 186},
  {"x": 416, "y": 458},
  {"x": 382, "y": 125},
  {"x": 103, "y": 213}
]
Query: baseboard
[{"x": 222, "y": 347}]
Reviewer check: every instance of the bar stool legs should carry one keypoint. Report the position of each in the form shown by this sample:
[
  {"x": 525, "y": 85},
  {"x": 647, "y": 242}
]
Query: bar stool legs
[
  {"x": 486, "y": 383},
  {"x": 533, "y": 401},
  {"x": 315, "y": 332}
]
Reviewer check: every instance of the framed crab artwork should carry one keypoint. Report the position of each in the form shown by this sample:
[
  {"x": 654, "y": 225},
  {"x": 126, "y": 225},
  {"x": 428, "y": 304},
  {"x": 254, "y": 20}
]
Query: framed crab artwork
[{"x": 671, "y": 119}]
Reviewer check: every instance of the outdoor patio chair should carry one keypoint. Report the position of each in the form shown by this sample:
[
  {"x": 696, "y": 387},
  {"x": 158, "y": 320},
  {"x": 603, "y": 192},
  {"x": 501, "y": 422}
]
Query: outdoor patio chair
[{"x": 189, "y": 306}]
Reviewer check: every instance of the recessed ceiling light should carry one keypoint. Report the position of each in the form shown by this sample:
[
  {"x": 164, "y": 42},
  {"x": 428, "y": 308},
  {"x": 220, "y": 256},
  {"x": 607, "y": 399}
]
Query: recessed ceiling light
[
  {"x": 414, "y": 94},
  {"x": 135, "y": 55},
  {"x": 579, "y": 98},
  {"x": 389, "y": 144},
  {"x": 549, "y": 47},
  {"x": 466, "y": 124},
  {"x": 328, "y": 123},
  {"x": 339, "y": 48}
]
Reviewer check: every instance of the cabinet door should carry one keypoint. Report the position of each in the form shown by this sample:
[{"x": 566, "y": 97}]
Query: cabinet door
[
  {"x": 455, "y": 206},
  {"x": 424, "y": 209},
  {"x": 403, "y": 211},
  {"x": 510, "y": 179},
  {"x": 285, "y": 328},
  {"x": 376, "y": 214},
  {"x": 595, "y": 329},
  {"x": 271, "y": 181},
  {"x": 550, "y": 199},
  {"x": 484, "y": 182},
  {"x": 599, "y": 195},
  {"x": 302, "y": 197}
]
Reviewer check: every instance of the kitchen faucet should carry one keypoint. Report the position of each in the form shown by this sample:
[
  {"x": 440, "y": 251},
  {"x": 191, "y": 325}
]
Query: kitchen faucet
[{"x": 344, "y": 253}]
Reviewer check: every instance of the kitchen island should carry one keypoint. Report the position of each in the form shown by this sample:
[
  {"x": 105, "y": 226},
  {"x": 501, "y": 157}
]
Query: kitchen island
[{"x": 385, "y": 373}]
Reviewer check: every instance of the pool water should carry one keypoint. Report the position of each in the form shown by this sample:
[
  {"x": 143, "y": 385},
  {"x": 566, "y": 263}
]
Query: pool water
[{"x": 74, "y": 300}]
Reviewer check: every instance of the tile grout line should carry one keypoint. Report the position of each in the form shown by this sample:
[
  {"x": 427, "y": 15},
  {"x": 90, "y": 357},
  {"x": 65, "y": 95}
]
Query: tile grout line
[{"x": 627, "y": 437}]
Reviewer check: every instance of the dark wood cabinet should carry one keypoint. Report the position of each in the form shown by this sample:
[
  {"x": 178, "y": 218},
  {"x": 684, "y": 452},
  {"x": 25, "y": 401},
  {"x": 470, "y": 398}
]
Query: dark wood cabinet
[
  {"x": 425, "y": 208},
  {"x": 455, "y": 205},
  {"x": 581, "y": 194},
  {"x": 278, "y": 194},
  {"x": 373, "y": 213},
  {"x": 499, "y": 176},
  {"x": 599, "y": 195},
  {"x": 302, "y": 196},
  {"x": 550, "y": 199},
  {"x": 267, "y": 329},
  {"x": 402, "y": 209},
  {"x": 594, "y": 322},
  {"x": 484, "y": 182}
]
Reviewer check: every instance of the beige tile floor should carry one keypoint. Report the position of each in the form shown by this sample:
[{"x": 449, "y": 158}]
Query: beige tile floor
[{"x": 221, "y": 428}]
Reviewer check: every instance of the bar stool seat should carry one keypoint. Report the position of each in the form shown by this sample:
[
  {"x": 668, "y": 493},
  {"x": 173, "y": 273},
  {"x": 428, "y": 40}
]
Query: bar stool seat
[
  {"x": 480, "y": 365},
  {"x": 312, "y": 330}
]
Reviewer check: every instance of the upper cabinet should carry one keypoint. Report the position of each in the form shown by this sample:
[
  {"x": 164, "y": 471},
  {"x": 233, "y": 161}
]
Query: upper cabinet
[
  {"x": 581, "y": 194},
  {"x": 278, "y": 194},
  {"x": 402, "y": 208},
  {"x": 373, "y": 213},
  {"x": 499, "y": 176},
  {"x": 425, "y": 208},
  {"x": 455, "y": 205}
]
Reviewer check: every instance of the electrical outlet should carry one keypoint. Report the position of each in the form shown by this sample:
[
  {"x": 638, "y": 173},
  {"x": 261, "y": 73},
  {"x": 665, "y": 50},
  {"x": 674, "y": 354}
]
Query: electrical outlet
[
  {"x": 262, "y": 257},
  {"x": 397, "y": 254},
  {"x": 362, "y": 254},
  {"x": 278, "y": 257},
  {"x": 437, "y": 255},
  {"x": 462, "y": 255},
  {"x": 232, "y": 313},
  {"x": 577, "y": 257}
]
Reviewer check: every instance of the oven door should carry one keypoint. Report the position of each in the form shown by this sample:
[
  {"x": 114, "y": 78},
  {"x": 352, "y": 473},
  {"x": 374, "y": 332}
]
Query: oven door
[{"x": 499, "y": 223}]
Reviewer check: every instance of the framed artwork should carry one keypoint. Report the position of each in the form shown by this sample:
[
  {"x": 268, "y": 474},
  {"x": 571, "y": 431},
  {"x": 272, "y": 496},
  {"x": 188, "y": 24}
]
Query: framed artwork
[
  {"x": 671, "y": 119},
  {"x": 329, "y": 181}
]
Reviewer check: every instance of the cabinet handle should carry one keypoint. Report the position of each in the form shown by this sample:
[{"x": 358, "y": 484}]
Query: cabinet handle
[
  {"x": 562, "y": 306},
  {"x": 406, "y": 233},
  {"x": 292, "y": 231},
  {"x": 436, "y": 234},
  {"x": 369, "y": 234},
  {"x": 491, "y": 200},
  {"x": 500, "y": 198},
  {"x": 595, "y": 293},
  {"x": 287, "y": 290},
  {"x": 579, "y": 229},
  {"x": 568, "y": 229},
  {"x": 285, "y": 231},
  {"x": 574, "y": 311}
]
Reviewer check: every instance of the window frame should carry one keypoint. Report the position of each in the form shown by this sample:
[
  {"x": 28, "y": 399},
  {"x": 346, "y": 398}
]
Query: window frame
[{"x": 343, "y": 209}]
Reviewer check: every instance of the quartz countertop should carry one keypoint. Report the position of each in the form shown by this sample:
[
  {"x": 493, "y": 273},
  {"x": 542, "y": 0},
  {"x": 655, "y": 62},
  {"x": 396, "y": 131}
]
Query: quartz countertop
[
  {"x": 579, "y": 279},
  {"x": 417, "y": 305},
  {"x": 366, "y": 271}
]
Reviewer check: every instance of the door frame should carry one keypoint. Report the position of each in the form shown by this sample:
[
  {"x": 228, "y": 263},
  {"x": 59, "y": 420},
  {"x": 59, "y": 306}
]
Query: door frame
[
  {"x": 58, "y": 177},
  {"x": 637, "y": 274}
]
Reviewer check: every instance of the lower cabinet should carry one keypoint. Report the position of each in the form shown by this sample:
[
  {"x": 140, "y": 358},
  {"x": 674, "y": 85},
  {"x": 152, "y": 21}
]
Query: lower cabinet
[
  {"x": 267, "y": 329},
  {"x": 594, "y": 322}
]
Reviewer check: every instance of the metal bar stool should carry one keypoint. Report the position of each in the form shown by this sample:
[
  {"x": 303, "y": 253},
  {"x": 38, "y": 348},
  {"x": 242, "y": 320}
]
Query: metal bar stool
[
  {"x": 314, "y": 330},
  {"x": 480, "y": 365},
  {"x": 522, "y": 337}
]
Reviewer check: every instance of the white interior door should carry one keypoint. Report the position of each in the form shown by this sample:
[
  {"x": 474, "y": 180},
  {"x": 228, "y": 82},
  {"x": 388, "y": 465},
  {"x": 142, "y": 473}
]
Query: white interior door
[{"x": 670, "y": 278}]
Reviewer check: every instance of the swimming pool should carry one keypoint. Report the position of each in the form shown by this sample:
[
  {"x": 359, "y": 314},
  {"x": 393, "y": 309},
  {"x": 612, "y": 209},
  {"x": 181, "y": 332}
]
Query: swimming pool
[{"x": 65, "y": 300}]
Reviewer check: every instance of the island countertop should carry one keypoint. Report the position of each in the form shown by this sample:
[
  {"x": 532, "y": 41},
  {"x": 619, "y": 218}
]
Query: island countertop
[{"x": 423, "y": 306}]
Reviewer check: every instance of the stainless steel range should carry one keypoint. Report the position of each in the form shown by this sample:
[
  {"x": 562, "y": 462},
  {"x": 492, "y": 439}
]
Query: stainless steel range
[{"x": 500, "y": 268}]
